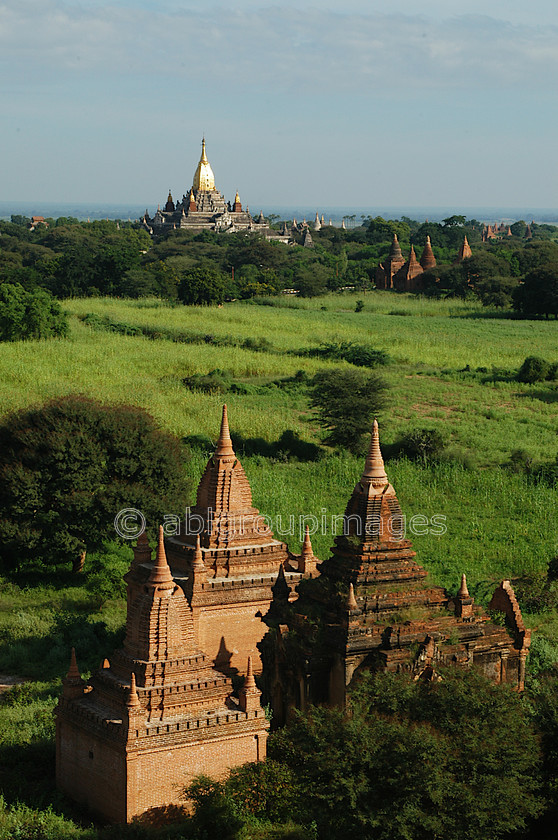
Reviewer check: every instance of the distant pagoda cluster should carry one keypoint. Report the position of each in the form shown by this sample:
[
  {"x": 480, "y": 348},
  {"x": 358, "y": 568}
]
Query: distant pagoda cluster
[
  {"x": 404, "y": 275},
  {"x": 162, "y": 709}
]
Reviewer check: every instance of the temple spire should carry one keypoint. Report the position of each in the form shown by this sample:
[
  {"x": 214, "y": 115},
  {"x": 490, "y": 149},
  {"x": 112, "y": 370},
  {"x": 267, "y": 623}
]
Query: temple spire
[
  {"x": 374, "y": 466},
  {"x": 224, "y": 444},
  {"x": 197, "y": 561},
  {"x": 160, "y": 573},
  {"x": 73, "y": 670},
  {"x": 351, "y": 600},
  {"x": 463, "y": 591},
  {"x": 133, "y": 699}
]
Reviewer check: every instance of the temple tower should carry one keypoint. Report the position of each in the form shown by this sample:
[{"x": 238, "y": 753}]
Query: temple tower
[
  {"x": 386, "y": 271},
  {"x": 372, "y": 607},
  {"x": 227, "y": 560},
  {"x": 157, "y": 714}
]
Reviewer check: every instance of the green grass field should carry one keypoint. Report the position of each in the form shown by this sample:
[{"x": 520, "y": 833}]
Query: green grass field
[{"x": 499, "y": 524}]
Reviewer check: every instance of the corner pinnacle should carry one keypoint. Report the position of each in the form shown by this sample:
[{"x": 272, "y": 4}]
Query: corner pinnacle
[
  {"x": 307, "y": 545},
  {"x": 463, "y": 591},
  {"x": 197, "y": 561},
  {"x": 133, "y": 699},
  {"x": 73, "y": 670},
  {"x": 160, "y": 573},
  {"x": 374, "y": 466},
  {"x": 224, "y": 444},
  {"x": 351, "y": 600},
  {"x": 249, "y": 682}
]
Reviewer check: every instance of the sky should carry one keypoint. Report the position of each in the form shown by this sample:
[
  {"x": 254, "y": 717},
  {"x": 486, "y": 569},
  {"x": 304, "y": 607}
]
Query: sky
[{"x": 359, "y": 103}]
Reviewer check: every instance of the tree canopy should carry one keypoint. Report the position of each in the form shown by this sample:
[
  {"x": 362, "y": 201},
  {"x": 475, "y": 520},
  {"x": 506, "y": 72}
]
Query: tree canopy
[
  {"x": 67, "y": 469},
  {"x": 29, "y": 314}
]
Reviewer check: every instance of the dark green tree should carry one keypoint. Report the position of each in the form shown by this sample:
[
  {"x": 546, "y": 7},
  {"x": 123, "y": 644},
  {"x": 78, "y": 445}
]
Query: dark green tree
[
  {"x": 345, "y": 402},
  {"x": 539, "y": 293},
  {"x": 202, "y": 286},
  {"x": 68, "y": 468},
  {"x": 423, "y": 760},
  {"x": 29, "y": 314}
]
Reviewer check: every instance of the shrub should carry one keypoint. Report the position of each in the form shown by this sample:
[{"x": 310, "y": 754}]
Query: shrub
[
  {"x": 356, "y": 354},
  {"x": 534, "y": 369},
  {"x": 26, "y": 315},
  {"x": 422, "y": 445}
]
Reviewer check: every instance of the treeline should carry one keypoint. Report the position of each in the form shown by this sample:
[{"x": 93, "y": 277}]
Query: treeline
[{"x": 76, "y": 259}]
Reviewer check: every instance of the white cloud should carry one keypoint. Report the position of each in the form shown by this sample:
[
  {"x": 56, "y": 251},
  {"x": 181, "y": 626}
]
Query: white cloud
[{"x": 280, "y": 47}]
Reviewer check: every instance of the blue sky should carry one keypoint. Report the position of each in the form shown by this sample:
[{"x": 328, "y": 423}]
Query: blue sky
[{"x": 325, "y": 104}]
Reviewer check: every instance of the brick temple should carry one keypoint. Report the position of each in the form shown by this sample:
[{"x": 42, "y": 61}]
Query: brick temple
[
  {"x": 162, "y": 709},
  {"x": 372, "y": 607}
]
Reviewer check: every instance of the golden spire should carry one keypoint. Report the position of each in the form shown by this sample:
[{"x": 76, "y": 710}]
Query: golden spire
[
  {"x": 204, "y": 179},
  {"x": 224, "y": 444},
  {"x": 237, "y": 198},
  {"x": 160, "y": 573},
  {"x": 374, "y": 466}
]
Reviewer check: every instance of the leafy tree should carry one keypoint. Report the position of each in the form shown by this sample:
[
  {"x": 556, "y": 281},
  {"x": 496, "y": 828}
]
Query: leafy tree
[
  {"x": 29, "y": 314},
  {"x": 202, "y": 286},
  {"x": 345, "y": 402},
  {"x": 67, "y": 468},
  {"x": 539, "y": 293},
  {"x": 457, "y": 758}
]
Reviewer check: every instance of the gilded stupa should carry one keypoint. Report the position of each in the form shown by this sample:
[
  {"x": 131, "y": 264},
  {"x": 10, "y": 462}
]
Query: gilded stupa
[
  {"x": 203, "y": 207},
  {"x": 204, "y": 179}
]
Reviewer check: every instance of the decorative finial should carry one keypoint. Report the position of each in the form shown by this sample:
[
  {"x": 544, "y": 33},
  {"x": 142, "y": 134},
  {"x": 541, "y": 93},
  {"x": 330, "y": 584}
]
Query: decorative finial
[
  {"x": 197, "y": 561},
  {"x": 224, "y": 444},
  {"x": 133, "y": 699},
  {"x": 73, "y": 670},
  {"x": 249, "y": 682},
  {"x": 160, "y": 573},
  {"x": 463, "y": 591},
  {"x": 307, "y": 545},
  {"x": 351, "y": 600},
  {"x": 374, "y": 466}
]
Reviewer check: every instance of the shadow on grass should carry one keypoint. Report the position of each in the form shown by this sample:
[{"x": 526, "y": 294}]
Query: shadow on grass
[
  {"x": 46, "y": 657},
  {"x": 289, "y": 445},
  {"x": 548, "y": 396}
]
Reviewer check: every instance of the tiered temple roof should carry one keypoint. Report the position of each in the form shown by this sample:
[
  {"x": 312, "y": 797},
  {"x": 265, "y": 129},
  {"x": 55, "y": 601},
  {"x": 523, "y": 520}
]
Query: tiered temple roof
[
  {"x": 158, "y": 692},
  {"x": 373, "y": 607}
]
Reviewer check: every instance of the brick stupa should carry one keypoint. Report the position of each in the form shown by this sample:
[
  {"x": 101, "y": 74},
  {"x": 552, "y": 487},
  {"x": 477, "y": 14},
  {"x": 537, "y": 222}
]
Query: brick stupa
[
  {"x": 386, "y": 270},
  {"x": 405, "y": 279},
  {"x": 158, "y": 713},
  {"x": 373, "y": 608}
]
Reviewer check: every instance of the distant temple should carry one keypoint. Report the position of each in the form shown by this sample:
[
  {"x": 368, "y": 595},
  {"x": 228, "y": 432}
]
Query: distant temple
[
  {"x": 203, "y": 207},
  {"x": 162, "y": 709},
  {"x": 405, "y": 275}
]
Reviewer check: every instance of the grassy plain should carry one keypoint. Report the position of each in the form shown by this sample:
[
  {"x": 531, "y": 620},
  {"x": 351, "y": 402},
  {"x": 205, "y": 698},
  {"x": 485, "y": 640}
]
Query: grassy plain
[{"x": 499, "y": 524}]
